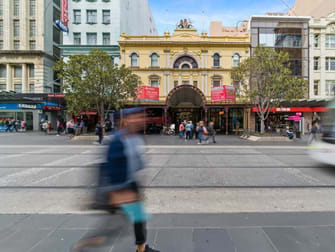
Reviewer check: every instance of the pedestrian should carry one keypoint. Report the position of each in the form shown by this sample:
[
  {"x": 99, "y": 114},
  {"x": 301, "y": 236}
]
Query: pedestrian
[
  {"x": 45, "y": 127},
  {"x": 70, "y": 128},
  {"x": 314, "y": 131},
  {"x": 59, "y": 127},
  {"x": 49, "y": 127},
  {"x": 7, "y": 123},
  {"x": 192, "y": 129},
  {"x": 82, "y": 126},
  {"x": 99, "y": 132},
  {"x": 202, "y": 131},
  {"x": 181, "y": 130},
  {"x": 197, "y": 130},
  {"x": 118, "y": 189},
  {"x": 23, "y": 125},
  {"x": 15, "y": 125},
  {"x": 188, "y": 129},
  {"x": 211, "y": 131}
]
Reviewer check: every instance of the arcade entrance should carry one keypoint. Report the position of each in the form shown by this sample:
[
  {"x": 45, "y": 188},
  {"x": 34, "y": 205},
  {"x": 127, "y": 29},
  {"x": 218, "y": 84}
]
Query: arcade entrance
[{"x": 186, "y": 102}]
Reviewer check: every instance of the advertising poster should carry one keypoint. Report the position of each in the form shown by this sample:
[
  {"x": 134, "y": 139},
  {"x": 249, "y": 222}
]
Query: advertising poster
[
  {"x": 223, "y": 94},
  {"x": 147, "y": 93}
]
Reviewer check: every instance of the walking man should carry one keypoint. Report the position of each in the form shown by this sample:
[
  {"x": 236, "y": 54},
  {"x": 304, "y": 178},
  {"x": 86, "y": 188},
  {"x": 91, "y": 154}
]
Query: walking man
[
  {"x": 99, "y": 132},
  {"x": 211, "y": 131}
]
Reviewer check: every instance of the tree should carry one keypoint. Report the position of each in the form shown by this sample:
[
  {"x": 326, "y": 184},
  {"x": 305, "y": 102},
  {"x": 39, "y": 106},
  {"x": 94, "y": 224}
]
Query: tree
[
  {"x": 266, "y": 79},
  {"x": 93, "y": 81}
]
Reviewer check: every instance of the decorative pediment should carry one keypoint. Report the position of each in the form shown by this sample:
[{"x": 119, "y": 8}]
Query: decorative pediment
[{"x": 331, "y": 27}]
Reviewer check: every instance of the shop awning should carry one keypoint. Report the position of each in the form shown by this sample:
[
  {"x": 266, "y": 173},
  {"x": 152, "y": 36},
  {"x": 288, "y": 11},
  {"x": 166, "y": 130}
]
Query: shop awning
[{"x": 294, "y": 109}]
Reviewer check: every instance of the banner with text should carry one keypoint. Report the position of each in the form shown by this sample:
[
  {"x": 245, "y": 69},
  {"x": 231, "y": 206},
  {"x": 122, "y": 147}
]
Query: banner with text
[
  {"x": 223, "y": 94},
  {"x": 147, "y": 93}
]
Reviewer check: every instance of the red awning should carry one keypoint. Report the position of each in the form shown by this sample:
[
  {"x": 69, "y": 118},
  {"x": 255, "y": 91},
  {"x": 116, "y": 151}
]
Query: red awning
[
  {"x": 88, "y": 113},
  {"x": 294, "y": 109}
]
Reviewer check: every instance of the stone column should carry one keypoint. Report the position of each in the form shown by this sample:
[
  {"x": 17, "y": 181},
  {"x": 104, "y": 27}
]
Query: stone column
[
  {"x": 206, "y": 115},
  {"x": 191, "y": 79},
  {"x": 24, "y": 78},
  {"x": 9, "y": 77},
  {"x": 165, "y": 116},
  {"x": 227, "y": 118},
  {"x": 179, "y": 80}
]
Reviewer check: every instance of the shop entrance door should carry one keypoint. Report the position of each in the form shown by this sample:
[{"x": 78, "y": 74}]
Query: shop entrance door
[{"x": 179, "y": 115}]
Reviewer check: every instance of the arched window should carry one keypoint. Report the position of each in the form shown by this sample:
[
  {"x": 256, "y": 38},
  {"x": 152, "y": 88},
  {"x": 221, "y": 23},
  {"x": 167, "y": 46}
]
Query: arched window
[
  {"x": 154, "y": 60},
  {"x": 134, "y": 59},
  {"x": 180, "y": 62},
  {"x": 185, "y": 66},
  {"x": 236, "y": 60},
  {"x": 216, "y": 60}
]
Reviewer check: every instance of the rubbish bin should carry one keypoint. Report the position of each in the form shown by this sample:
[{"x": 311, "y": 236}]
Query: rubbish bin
[{"x": 298, "y": 134}]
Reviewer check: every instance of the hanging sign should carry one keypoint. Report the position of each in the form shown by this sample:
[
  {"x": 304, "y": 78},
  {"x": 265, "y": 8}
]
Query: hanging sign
[{"x": 64, "y": 22}]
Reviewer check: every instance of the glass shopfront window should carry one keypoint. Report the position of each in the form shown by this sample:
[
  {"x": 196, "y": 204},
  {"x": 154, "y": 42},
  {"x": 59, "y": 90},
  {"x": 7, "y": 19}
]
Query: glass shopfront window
[
  {"x": 12, "y": 115},
  {"x": 277, "y": 37}
]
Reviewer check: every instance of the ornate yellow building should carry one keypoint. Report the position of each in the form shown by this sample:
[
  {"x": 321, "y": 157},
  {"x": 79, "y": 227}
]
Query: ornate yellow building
[{"x": 186, "y": 66}]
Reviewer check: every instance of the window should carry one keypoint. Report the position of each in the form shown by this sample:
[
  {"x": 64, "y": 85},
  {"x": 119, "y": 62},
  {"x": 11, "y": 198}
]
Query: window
[
  {"x": 91, "y": 38},
  {"x": 195, "y": 83},
  {"x": 31, "y": 88},
  {"x": 56, "y": 33},
  {"x": 316, "y": 63},
  {"x": 77, "y": 38},
  {"x": 106, "y": 37},
  {"x": 185, "y": 82},
  {"x": 91, "y": 16},
  {"x": 330, "y": 64},
  {"x": 1, "y": 28},
  {"x": 330, "y": 41},
  {"x": 3, "y": 87},
  {"x": 1, "y": 44},
  {"x": 32, "y": 28},
  {"x": 1, "y": 7},
  {"x": 32, "y": 8},
  {"x": 134, "y": 59},
  {"x": 16, "y": 28},
  {"x": 316, "y": 40},
  {"x": 18, "y": 88},
  {"x": 31, "y": 71},
  {"x": 236, "y": 60},
  {"x": 3, "y": 71},
  {"x": 175, "y": 83},
  {"x": 154, "y": 60},
  {"x": 330, "y": 87},
  {"x": 16, "y": 8},
  {"x": 316, "y": 87},
  {"x": 32, "y": 45},
  {"x": 18, "y": 72},
  {"x": 76, "y": 16},
  {"x": 16, "y": 44},
  {"x": 216, "y": 83},
  {"x": 56, "y": 14},
  {"x": 154, "y": 83},
  {"x": 106, "y": 16},
  {"x": 216, "y": 60}
]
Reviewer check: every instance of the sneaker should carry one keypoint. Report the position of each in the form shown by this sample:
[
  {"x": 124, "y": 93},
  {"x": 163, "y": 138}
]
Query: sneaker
[
  {"x": 199, "y": 143},
  {"x": 207, "y": 142},
  {"x": 148, "y": 249}
]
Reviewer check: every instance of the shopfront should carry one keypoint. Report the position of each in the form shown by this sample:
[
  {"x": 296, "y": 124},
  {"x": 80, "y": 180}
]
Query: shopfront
[{"x": 30, "y": 113}]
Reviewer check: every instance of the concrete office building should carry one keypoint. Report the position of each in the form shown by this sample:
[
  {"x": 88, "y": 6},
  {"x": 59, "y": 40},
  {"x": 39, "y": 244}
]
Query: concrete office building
[
  {"x": 28, "y": 45},
  {"x": 322, "y": 55},
  {"x": 99, "y": 24}
]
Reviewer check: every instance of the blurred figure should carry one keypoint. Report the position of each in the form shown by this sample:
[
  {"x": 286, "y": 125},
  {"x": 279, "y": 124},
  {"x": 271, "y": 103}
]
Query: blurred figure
[
  {"x": 70, "y": 128},
  {"x": 211, "y": 131},
  {"x": 118, "y": 190},
  {"x": 23, "y": 125},
  {"x": 314, "y": 131},
  {"x": 181, "y": 130},
  {"x": 289, "y": 133}
]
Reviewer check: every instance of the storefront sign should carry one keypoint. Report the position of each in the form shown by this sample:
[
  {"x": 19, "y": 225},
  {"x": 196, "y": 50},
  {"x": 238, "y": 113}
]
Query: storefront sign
[
  {"x": 63, "y": 23},
  {"x": 294, "y": 109},
  {"x": 9, "y": 106},
  {"x": 51, "y": 108},
  {"x": 223, "y": 93},
  {"x": 56, "y": 95},
  {"x": 147, "y": 93}
]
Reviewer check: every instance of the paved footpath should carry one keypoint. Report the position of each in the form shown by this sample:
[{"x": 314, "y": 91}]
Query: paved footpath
[{"x": 257, "y": 232}]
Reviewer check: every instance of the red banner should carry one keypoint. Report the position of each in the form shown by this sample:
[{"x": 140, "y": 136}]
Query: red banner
[
  {"x": 65, "y": 12},
  {"x": 147, "y": 93},
  {"x": 223, "y": 93},
  {"x": 295, "y": 109}
]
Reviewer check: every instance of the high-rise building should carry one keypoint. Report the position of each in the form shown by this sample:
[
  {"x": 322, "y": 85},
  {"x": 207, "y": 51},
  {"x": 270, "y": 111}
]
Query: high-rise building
[
  {"x": 322, "y": 57},
  {"x": 99, "y": 24},
  {"x": 29, "y": 42}
]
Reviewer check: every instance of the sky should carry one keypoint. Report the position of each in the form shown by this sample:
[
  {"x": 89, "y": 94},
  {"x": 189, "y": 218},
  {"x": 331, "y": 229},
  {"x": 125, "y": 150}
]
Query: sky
[{"x": 202, "y": 12}]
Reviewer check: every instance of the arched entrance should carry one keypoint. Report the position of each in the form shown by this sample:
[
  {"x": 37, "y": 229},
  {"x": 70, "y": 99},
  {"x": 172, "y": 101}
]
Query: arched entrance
[{"x": 186, "y": 102}]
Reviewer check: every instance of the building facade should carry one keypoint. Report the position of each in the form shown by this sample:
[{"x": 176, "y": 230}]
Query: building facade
[
  {"x": 289, "y": 34},
  {"x": 313, "y": 8},
  {"x": 99, "y": 24},
  {"x": 185, "y": 68},
  {"x": 29, "y": 45},
  {"x": 322, "y": 55}
]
